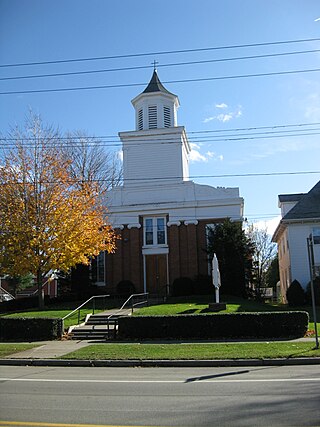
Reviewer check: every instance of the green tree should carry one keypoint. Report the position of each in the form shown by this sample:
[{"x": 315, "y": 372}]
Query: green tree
[
  {"x": 272, "y": 276},
  {"x": 19, "y": 283},
  {"x": 234, "y": 251}
]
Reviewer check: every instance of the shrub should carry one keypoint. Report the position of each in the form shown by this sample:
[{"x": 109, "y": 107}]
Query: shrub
[
  {"x": 30, "y": 329},
  {"x": 125, "y": 288},
  {"x": 295, "y": 294},
  {"x": 182, "y": 286},
  {"x": 290, "y": 324},
  {"x": 316, "y": 288}
]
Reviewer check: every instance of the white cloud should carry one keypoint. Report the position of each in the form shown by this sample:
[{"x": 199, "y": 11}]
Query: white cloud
[
  {"x": 225, "y": 117},
  {"x": 316, "y": 20},
  {"x": 222, "y": 105},
  {"x": 209, "y": 119},
  {"x": 196, "y": 156}
]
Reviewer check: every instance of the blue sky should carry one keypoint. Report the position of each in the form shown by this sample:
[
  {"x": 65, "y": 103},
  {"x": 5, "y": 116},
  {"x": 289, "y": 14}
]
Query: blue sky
[{"x": 42, "y": 30}]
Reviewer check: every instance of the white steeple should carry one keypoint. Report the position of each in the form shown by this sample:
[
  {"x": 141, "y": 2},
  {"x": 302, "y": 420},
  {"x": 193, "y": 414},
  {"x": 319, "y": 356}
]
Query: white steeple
[
  {"x": 157, "y": 151},
  {"x": 155, "y": 107}
]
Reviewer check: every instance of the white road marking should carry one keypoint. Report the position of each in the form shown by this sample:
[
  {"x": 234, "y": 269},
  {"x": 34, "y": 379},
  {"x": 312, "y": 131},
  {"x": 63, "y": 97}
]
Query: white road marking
[{"x": 190, "y": 381}]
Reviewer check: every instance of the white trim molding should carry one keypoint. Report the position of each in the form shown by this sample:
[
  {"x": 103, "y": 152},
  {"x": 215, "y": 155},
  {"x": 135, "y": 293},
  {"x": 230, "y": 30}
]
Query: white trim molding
[
  {"x": 135, "y": 225},
  {"x": 192, "y": 222},
  {"x": 170, "y": 223},
  {"x": 118, "y": 226}
]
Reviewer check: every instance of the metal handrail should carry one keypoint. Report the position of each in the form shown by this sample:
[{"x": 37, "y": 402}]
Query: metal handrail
[
  {"x": 5, "y": 292},
  {"x": 122, "y": 307},
  {"x": 131, "y": 298},
  {"x": 83, "y": 304}
]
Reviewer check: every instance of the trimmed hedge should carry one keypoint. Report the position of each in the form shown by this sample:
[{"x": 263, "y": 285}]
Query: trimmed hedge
[
  {"x": 30, "y": 329},
  {"x": 289, "y": 324}
]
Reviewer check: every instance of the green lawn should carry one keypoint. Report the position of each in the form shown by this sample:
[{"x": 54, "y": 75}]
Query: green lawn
[
  {"x": 174, "y": 306},
  {"x": 6, "y": 349},
  {"x": 208, "y": 351}
]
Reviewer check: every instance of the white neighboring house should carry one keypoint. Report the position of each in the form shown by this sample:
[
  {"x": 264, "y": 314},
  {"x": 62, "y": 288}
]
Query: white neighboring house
[{"x": 300, "y": 219}]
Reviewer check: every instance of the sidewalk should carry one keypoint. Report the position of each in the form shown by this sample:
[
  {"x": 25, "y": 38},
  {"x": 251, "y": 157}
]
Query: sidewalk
[
  {"x": 50, "y": 349},
  {"x": 47, "y": 352}
]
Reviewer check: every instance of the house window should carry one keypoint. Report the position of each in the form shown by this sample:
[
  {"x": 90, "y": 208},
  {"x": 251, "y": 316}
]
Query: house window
[
  {"x": 140, "y": 119},
  {"x": 166, "y": 117},
  {"x": 152, "y": 117},
  {"x": 98, "y": 269},
  {"x": 155, "y": 231},
  {"x": 316, "y": 235}
]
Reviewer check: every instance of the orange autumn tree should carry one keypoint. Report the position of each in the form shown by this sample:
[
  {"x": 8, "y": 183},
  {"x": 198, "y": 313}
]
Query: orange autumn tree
[{"x": 48, "y": 219}]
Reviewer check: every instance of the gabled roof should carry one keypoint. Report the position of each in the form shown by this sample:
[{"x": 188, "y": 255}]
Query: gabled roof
[
  {"x": 290, "y": 197},
  {"x": 156, "y": 86},
  {"x": 308, "y": 207}
]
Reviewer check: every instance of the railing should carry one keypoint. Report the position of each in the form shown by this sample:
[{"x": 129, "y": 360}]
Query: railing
[
  {"x": 5, "y": 295},
  {"x": 30, "y": 293},
  {"x": 132, "y": 306},
  {"x": 131, "y": 300},
  {"x": 93, "y": 299}
]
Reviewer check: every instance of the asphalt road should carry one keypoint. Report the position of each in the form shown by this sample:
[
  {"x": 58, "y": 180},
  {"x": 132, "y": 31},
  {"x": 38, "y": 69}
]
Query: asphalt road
[{"x": 257, "y": 396}]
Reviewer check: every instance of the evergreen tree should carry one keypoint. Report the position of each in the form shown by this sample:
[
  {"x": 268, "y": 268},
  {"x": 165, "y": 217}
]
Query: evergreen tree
[{"x": 234, "y": 251}]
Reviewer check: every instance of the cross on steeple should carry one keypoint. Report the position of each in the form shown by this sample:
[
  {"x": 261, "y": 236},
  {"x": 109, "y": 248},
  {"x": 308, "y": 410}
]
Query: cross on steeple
[{"x": 154, "y": 63}]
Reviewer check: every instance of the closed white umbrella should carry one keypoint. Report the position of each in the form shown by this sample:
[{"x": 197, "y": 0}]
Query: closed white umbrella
[{"x": 216, "y": 280}]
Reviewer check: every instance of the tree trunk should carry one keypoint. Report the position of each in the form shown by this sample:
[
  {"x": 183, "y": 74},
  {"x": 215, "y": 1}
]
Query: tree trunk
[{"x": 40, "y": 293}]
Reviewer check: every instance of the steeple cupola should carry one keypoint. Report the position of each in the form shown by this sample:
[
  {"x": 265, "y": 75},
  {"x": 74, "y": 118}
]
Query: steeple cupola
[
  {"x": 156, "y": 152},
  {"x": 155, "y": 107}
]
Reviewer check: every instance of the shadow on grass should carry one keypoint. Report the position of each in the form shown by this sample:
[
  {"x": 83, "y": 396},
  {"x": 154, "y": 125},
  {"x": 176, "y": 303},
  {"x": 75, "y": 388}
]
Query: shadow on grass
[{"x": 301, "y": 353}]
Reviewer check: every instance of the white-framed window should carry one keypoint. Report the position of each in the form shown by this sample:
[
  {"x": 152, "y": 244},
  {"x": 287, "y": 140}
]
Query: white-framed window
[
  {"x": 316, "y": 235},
  {"x": 155, "y": 231},
  {"x": 98, "y": 269}
]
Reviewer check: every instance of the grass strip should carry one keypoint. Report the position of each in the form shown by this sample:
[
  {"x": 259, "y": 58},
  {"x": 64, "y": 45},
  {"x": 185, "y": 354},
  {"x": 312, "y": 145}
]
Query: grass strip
[
  {"x": 7, "y": 349},
  {"x": 262, "y": 350}
]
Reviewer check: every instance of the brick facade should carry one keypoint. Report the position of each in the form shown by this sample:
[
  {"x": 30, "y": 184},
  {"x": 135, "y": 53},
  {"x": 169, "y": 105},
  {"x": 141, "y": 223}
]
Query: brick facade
[{"x": 187, "y": 255}]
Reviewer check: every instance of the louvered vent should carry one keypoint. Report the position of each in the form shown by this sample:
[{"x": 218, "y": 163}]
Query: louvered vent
[
  {"x": 152, "y": 116},
  {"x": 166, "y": 117},
  {"x": 140, "y": 119}
]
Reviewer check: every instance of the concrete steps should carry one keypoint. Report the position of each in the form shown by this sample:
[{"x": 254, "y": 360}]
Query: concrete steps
[{"x": 97, "y": 327}]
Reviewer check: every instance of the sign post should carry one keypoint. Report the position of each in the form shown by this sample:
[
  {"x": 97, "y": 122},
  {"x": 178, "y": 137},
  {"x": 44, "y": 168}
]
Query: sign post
[{"x": 312, "y": 276}]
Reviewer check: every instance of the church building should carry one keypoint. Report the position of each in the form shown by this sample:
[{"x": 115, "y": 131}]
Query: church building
[{"x": 161, "y": 216}]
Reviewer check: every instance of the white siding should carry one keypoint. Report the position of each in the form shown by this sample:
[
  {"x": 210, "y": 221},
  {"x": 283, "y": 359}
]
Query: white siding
[
  {"x": 298, "y": 234},
  {"x": 151, "y": 157}
]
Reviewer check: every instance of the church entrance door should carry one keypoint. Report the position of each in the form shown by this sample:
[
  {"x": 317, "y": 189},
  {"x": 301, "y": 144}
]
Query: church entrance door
[{"x": 156, "y": 274}]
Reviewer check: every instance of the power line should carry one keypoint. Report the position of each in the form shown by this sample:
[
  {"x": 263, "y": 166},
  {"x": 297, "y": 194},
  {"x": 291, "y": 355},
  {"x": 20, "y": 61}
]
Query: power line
[
  {"x": 241, "y": 76},
  {"x": 142, "y": 54},
  {"x": 103, "y": 137},
  {"x": 244, "y": 175},
  {"x": 167, "y": 141},
  {"x": 74, "y": 73}
]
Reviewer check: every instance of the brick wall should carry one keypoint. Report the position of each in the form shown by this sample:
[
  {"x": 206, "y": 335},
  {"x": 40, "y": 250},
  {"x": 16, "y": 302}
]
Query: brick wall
[{"x": 187, "y": 254}]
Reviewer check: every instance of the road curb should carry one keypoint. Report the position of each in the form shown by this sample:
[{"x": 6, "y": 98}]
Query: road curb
[{"x": 160, "y": 363}]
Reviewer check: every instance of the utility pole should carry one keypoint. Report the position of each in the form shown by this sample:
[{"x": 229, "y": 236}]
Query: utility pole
[{"x": 312, "y": 276}]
